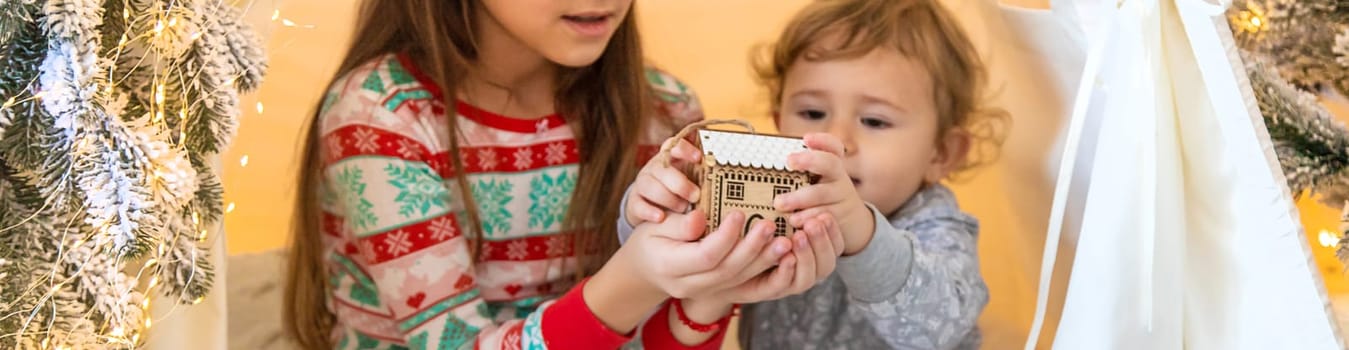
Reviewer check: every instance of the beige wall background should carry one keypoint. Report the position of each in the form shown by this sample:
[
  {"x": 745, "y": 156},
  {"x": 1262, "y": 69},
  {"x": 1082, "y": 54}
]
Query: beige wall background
[{"x": 707, "y": 43}]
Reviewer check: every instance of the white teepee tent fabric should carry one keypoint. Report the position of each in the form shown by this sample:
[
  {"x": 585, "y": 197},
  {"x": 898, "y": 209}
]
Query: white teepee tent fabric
[
  {"x": 1188, "y": 237},
  {"x": 1034, "y": 56}
]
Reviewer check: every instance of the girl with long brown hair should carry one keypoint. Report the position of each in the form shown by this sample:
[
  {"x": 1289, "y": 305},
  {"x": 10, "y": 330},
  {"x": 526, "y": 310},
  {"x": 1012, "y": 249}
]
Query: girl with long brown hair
[{"x": 462, "y": 175}]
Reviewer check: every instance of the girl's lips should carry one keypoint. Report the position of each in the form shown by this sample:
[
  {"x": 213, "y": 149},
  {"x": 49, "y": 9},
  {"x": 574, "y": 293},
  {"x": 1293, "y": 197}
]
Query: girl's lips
[{"x": 589, "y": 23}]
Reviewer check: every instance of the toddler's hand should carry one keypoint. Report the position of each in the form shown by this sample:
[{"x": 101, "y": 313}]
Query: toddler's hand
[{"x": 834, "y": 194}]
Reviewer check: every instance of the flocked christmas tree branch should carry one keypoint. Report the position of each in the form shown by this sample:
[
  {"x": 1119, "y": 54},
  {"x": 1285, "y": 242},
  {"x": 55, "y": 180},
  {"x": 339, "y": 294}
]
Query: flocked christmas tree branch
[
  {"x": 1313, "y": 147},
  {"x": 113, "y": 110},
  {"x": 1305, "y": 37},
  {"x": 1293, "y": 48}
]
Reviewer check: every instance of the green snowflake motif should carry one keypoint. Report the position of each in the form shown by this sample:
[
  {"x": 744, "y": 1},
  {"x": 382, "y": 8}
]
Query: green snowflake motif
[
  {"x": 373, "y": 83},
  {"x": 668, "y": 90},
  {"x": 365, "y": 294},
  {"x": 532, "y": 332},
  {"x": 550, "y": 197},
  {"x": 328, "y": 100},
  {"x": 456, "y": 333},
  {"x": 523, "y": 312},
  {"x": 492, "y": 197},
  {"x": 346, "y": 339},
  {"x": 335, "y": 281},
  {"x": 399, "y": 74},
  {"x": 488, "y": 310},
  {"x": 418, "y": 341},
  {"x": 366, "y": 342},
  {"x": 357, "y": 208},
  {"x": 418, "y": 189},
  {"x": 328, "y": 198}
]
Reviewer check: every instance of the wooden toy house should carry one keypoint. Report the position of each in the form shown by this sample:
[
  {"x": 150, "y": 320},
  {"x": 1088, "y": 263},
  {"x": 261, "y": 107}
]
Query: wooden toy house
[{"x": 745, "y": 172}]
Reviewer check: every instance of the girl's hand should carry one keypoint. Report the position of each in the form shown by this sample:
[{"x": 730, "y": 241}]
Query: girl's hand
[
  {"x": 834, "y": 194},
  {"x": 659, "y": 189},
  {"x": 676, "y": 258},
  {"x": 814, "y": 255}
]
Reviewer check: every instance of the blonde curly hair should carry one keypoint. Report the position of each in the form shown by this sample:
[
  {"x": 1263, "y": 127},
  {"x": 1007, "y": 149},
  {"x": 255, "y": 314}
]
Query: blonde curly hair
[{"x": 918, "y": 29}]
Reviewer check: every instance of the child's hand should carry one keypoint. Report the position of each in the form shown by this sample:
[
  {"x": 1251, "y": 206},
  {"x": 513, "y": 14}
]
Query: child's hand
[
  {"x": 816, "y": 250},
  {"x": 668, "y": 259},
  {"x": 671, "y": 256},
  {"x": 834, "y": 194},
  {"x": 658, "y": 188}
]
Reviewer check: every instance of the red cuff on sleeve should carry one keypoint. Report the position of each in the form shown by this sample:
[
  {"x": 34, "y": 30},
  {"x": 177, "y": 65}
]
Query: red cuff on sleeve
[
  {"x": 570, "y": 324},
  {"x": 656, "y": 334}
]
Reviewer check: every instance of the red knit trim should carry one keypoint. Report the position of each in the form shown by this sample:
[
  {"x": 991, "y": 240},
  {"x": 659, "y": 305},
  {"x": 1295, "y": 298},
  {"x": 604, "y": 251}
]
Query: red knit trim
[
  {"x": 570, "y": 324},
  {"x": 521, "y": 125}
]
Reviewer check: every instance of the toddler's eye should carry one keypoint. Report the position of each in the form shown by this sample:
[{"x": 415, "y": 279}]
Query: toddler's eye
[
  {"x": 875, "y": 123},
  {"x": 811, "y": 114}
]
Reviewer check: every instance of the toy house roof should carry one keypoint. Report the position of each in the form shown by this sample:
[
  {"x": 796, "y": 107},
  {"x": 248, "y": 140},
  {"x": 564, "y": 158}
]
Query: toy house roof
[{"x": 749, "y": 150}]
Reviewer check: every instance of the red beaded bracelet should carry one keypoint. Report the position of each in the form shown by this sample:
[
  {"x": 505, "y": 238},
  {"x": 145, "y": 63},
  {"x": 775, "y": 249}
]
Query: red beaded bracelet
[{"x": 698, "y": 327}]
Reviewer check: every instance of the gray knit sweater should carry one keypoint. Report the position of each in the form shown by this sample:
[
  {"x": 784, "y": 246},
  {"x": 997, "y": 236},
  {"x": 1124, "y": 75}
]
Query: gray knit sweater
[{"x": 915, "y": 286}]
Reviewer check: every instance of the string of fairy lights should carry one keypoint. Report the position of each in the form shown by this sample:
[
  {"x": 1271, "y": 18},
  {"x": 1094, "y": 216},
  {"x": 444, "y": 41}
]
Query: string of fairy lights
[
  {"x": 286, "y": 23},
  {"x": 133, "y": 337}
]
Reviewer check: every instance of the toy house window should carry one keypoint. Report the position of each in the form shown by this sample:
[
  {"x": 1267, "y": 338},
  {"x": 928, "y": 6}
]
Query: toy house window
[
  {"x": 781, "y": 224},
  {"x": 735, "y": 190},
  {"x": 777, "y": 190}
]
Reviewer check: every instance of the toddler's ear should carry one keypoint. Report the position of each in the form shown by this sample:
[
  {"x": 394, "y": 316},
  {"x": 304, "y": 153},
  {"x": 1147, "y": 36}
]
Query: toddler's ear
[{"x": 952, "y": 150}]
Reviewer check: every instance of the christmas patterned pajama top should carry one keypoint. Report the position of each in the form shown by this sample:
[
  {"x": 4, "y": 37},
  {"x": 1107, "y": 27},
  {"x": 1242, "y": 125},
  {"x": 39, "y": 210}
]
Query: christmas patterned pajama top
[{"x": 394, "y": 229}]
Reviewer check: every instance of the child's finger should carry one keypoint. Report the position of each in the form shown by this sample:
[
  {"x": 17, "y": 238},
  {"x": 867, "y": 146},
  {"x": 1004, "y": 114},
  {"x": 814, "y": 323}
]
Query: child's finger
[
  {"x": 675, "y": 182},
  {"x": 658, "y": 195},
  {"x": 798, "y": 219},
  {"x": 682, "y": 227},
  {"x": 685, "y": 152},
  {"x": 822, "y": 248},
  {"x": 743, "y": 257},
  {"x": 828, "y": 165},
  {"x": 745, "y": 252},
  {"x": 714, "y": 247},
  {"x": 805, "y": 264},
  {"x": 835, "y": 234},
  {"x": 781, "y": 279},
  {"x": 773, "y": 250},
  {"x": 808, "y": 197},
  {"x": 825, "y": 142},
  {"x": 767, "y": 286},
  {"x": 647, "y": 211}
]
